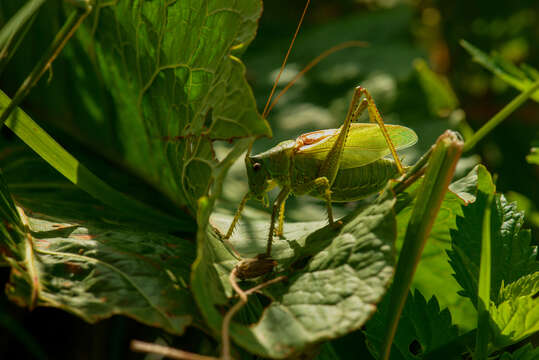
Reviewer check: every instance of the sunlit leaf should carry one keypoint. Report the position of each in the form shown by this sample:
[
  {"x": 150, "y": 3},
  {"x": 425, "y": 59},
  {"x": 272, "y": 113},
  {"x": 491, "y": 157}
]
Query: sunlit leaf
[
  {"x": 95, "y": 270},
  {"x": 512, "y": 255},
  {"x": 177, "y": 85},
  {"x": 335, "y": 278},
  {"x": 516, "y": 314}
]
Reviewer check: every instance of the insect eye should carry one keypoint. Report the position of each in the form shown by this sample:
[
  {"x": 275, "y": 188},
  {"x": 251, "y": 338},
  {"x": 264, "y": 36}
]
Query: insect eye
[{"x": 257, "y": 166}]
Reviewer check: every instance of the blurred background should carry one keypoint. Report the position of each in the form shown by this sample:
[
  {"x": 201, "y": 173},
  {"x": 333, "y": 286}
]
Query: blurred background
[{"x": 398, "y": 33}]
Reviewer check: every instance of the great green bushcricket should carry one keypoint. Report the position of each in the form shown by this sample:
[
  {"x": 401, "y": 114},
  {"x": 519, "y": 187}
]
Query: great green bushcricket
[{"x": 337, "y": 165}]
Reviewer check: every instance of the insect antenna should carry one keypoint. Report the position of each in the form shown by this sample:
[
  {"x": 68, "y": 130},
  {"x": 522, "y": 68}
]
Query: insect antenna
[
  {"x": 310, "y": 65},
  {"x": 266, "y": 111}
]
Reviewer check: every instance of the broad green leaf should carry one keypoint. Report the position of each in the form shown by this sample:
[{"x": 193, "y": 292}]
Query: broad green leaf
[
  {"x": 442, "y": 100},
  {"x": 335, "y": 279},
  {"x": 533, "y": 157},
  {"x": 516, "y": 314},
  {"x": 95, "y": 270},
  {"x": 526, "y": 352},
  {"x": 423, "y": 327},
  {"x": 512, "y": 255},
  {"x": 177, "y": 85},
  {"x": 521, "y": 78}
]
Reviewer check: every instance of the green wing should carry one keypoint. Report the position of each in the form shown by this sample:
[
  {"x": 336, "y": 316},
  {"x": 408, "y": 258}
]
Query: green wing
[{"x": 364, "y": 145}]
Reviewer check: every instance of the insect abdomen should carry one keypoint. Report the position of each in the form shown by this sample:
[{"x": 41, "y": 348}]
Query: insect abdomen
[{"x": 356, "y": 183}]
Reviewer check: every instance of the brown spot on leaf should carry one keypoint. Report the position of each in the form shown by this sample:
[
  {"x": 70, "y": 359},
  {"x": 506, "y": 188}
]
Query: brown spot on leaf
[{"x": 73, "y": 268}]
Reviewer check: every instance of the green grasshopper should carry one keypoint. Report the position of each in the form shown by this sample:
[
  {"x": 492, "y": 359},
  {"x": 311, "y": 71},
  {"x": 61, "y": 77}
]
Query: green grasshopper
[{"x": 337, "y": 165}]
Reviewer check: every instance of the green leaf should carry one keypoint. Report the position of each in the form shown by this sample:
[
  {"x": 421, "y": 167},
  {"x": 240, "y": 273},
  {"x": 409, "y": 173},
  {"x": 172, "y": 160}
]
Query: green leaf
[
  {"x": 176, "y": 84},
  {"x": 95, "y": 270},
  {"x": 526, "y": 352},
  {"x": 442, "y": 100},
  {"x": 521, "y": 78},
  {"x": 533, "y": 157},
  {"x": 335, "y": 278},
  {"x": 517, "y": 314},
  {"x": 512, "y": 255},
  {"x": 423, "y": 327}
]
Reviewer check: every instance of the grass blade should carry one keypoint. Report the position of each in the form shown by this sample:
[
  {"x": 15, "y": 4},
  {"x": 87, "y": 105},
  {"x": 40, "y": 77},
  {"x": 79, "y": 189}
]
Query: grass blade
[{"x": 52, "y": 152}]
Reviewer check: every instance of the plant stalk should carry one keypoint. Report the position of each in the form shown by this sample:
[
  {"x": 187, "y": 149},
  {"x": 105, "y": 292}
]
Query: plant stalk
[
  {"x": 500, "y": 116},
  {"x": 443, "y": 161},
  {"x": 483, "y": 296}
]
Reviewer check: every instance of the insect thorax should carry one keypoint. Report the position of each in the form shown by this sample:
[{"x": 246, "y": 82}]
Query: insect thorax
[{"x": 276, "y": 161}]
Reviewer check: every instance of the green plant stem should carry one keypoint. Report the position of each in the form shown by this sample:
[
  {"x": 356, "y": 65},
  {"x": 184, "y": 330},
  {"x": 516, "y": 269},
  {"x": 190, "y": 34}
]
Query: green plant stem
[
  {"x": 443, "y": 160},
  {"x": 481, "y": 344},
  {"x": 500, "y": 116},
  {"x": 60, "y": 40}
]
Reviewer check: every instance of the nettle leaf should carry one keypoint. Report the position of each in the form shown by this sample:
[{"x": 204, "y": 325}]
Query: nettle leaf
[
  {"x": 433, "y": 275},
  {"x": 176, "y": 85},
  {"x": 521, "y": 78},
  {"x": 423, "y": 327},
  {"x": 335, "y": 279},
  {"x": 516, "y": 314},
  {"x": 96, "y": 270},
  {"x": 512, "y": 255}
]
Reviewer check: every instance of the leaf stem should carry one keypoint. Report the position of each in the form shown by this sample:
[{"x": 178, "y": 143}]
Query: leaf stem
[
  {"x": 500, "y": 116},
  {"x": 483, "y": 296}
]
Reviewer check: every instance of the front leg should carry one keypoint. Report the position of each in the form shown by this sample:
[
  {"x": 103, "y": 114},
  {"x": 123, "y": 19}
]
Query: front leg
[
  {"x": 279, "y": 231},
  {"x": 276, "y": 207}
]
